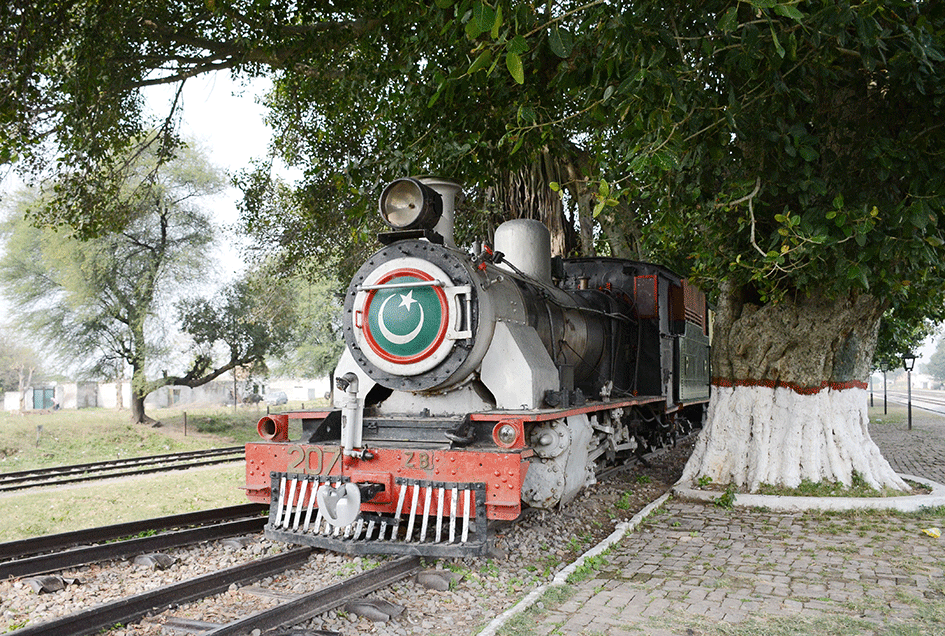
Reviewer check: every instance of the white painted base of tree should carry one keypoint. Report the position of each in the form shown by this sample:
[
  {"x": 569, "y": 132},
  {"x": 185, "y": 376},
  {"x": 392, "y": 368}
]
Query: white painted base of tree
[{"x": 758, "y": 435}]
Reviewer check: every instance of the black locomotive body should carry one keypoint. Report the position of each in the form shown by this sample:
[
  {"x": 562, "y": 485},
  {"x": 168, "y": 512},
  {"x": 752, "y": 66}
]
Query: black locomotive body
[{"x": 475, "y": 384}]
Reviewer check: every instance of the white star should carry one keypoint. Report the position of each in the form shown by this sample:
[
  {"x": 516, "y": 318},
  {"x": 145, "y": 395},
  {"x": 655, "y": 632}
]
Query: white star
[{"x": 407, "y": 300}]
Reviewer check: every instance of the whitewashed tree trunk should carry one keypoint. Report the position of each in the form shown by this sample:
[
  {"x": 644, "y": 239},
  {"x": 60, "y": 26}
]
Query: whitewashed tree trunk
[
  {"x": 758, "y": 435},
  {"x": 789, "y": 400}
]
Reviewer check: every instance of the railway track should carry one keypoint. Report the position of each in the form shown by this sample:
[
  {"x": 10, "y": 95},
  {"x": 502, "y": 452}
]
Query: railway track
[
  {"x": 308, "y": 589},
  {"x": 60, "y": 475},
  {"x": 921, "y": 399},
  {"x": 303, "y": 607},
  {"x": 52, "y": 553}
]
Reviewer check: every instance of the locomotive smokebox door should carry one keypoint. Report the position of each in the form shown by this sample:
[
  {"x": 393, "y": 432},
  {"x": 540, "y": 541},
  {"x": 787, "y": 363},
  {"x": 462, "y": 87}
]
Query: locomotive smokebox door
[{"x": 407, "y": 311}]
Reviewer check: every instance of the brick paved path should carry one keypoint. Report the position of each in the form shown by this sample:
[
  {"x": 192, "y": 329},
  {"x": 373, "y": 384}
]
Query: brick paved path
[
  {"x": 919, "y": 452},
  {"x": 694, "y": 567}
]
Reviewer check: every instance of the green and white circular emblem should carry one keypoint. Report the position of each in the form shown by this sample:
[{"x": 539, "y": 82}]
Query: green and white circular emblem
[
  {"x": 404, "y": 316},
  {"x": 404, "y": 324}
]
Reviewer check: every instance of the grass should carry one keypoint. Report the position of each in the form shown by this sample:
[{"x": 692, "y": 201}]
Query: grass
[
  {"x": 90, "y": 435},
  {"x": 108, "y": 502},
  {"x": 38, "y": 440},
  {"x": 834, "y": 625},
  {"x": 858, "y": 488},
  {"x": 895, "y": 413}
]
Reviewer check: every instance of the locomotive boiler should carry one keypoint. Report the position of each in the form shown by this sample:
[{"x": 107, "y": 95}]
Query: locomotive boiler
[{"x": 475, "y": 384}]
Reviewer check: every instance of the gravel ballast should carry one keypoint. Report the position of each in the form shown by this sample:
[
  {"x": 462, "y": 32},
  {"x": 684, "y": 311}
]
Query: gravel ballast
[{"x": 527, "y": 555}]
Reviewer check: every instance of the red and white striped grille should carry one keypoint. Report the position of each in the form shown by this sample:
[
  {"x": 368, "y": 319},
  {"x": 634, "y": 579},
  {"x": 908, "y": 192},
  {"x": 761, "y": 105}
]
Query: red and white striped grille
[{"x": 431, "y": 518}]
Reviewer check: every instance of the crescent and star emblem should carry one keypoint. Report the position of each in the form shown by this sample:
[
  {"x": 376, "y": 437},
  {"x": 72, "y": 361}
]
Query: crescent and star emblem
[{"x": 407, "y": 301}]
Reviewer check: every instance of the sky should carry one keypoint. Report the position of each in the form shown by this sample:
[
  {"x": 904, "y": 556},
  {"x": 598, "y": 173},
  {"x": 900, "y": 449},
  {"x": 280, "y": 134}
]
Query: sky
[{"x": 226, "y": 119}]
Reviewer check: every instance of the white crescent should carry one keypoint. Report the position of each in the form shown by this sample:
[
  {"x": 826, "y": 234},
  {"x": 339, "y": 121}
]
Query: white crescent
[{"x": 391, "y": 336}]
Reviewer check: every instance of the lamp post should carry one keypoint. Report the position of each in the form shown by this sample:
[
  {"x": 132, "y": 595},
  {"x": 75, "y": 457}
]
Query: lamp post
[
  {"x": 885, "y": 401},
  {"x": 908, "y": 362}
]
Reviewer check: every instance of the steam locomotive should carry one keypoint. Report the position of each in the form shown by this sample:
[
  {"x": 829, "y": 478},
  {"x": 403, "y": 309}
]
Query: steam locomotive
[{"x": 476, "y": 384}]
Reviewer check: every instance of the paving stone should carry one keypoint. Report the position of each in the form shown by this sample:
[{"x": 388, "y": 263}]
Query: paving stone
[{"x": 733, "y": 565}]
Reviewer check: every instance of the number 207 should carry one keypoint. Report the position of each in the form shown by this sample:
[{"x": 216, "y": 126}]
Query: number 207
[{"x": 320, "y": 461}]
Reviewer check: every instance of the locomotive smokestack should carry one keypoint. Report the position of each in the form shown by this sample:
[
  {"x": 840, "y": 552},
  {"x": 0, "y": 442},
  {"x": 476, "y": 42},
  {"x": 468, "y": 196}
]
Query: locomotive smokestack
[{"x": 447, "y": 191}]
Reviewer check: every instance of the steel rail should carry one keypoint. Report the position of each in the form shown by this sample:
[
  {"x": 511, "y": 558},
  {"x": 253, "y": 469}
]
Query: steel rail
[
  {"x": 312, "y": 604},
  {"x": 115, "y": 463},
  {"x": 127, "y": 473},
  {"x": 92, "y": 554},
  {"x": 63, "y": 541},
  {"x": 118, "y": 468},
  {"x": 134, "y": 608},
  {"x": 920, "y": 400}
]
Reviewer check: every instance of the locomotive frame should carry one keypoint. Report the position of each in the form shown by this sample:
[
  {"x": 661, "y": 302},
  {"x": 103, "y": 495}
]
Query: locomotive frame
[{"x": 475, "y": 384}]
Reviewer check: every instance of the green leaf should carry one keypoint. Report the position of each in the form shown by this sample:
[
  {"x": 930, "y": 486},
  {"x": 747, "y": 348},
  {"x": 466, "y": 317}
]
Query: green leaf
[
  {"x": 608, "y": 92},
  {"x": 808, "y": 153},
  {"x": 436, "y": 95},
  {"x": 472, "y": 29},
  {"x": 525, "y": 114},
  {"x": 789, "y": 11},
  {"x": 518, "y": 144},
  {"x": 560, "y": 42},
  {"x": 482, "y": 20},
  {"x": 514, "y": 63},
  {"x": 837, "y": 203},
  {"x": 484, "y": 59},
  {"x": 599, "y": 208},
  {"x": 444, "y": 4},
  {"x": 604, "y": 189},
  {"x": 777, "y": 44},
  {"x": 518, "y": 45},
  {"x": 919, "y": 215},
  {"x": 762, "y": 4},
  {"x": 555, "y": 186},
  {"x": 729, "y": 20},
  {"x": 934, "y": 241},
  {"x": 665, "y": 159},
  {"x": 498, "y": 23},
  {"x": 639, "y": 162}
]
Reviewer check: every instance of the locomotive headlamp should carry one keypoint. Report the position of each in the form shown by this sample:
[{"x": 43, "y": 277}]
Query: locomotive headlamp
[{"x": 407, "y": 204}]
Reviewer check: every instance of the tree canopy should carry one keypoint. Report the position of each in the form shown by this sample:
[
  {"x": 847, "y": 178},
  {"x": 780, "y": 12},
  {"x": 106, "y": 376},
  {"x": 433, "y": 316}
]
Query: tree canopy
[
  {"x": 935, "y": 367},
  {"x": 316, "y": 341},
  {"x": 108, "y": 302},
  {"x": 787, "y": 148},
  {"x": 20, "y": 366}
]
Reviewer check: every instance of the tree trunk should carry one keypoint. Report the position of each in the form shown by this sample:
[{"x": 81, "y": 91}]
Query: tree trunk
[
  {"x": 138, "y": 416},
  {"x": 138, "y": 394},
  {"x": 583, "y": 203},
  {"x": 789, "y": 395},
  {"x": 119, "y": 398},
  {"x": 526, "y": 194},
  {"x": 24, "y": 384}
]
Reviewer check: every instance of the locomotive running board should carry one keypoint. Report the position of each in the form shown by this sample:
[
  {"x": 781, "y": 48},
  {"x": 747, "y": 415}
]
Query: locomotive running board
[{"x": 454, "y": 532}]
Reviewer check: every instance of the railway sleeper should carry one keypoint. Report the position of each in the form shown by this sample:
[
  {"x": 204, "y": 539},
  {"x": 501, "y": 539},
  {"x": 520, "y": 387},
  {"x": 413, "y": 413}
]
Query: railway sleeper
[{"x": 432, "y": 518}]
